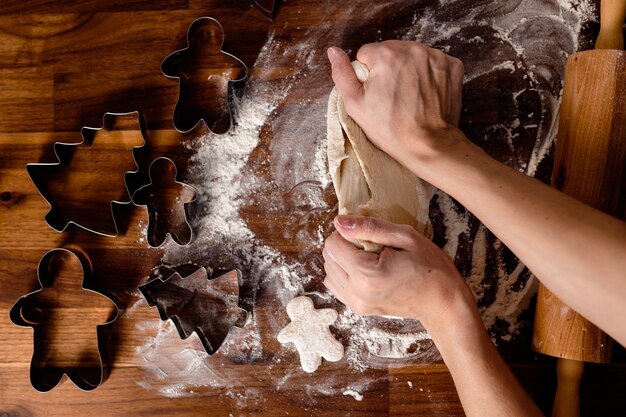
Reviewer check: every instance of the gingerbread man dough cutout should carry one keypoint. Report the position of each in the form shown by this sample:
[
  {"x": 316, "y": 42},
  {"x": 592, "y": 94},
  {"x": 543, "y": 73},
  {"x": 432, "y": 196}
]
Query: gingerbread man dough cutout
[{"x": 309, "y": 331}]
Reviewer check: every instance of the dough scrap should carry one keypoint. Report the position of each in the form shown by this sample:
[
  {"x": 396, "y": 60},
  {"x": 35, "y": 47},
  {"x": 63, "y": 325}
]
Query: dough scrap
[
  {"x": 309, "y": 331},
  {"x": 367, "y": 181}
]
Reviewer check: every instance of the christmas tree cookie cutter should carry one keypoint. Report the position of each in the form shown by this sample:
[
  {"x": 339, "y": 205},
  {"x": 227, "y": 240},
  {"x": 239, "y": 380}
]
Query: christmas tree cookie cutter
[
  {"x": 167, "y": 201},
  {"x": 30, "y": 311},
  {"x": 196, "y": 303},
  {"x": 204, "y": 73},
  {"x": 68, "y": 185}
]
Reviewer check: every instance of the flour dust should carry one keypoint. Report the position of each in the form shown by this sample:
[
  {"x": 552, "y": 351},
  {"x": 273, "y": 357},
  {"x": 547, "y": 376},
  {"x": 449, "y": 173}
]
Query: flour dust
[{"x": 267, "y": 177}]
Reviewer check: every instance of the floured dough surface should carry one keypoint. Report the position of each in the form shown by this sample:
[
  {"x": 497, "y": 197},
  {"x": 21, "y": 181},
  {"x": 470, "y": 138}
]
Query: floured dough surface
[
  {"x": 309, "y": 331},
  {"x": 368, "y": 182}
]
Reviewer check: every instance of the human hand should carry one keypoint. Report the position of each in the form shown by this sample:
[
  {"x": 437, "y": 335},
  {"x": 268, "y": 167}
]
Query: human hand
[
  {"x": 410, "y": 278},
  {"x": 411, "y": 102}
]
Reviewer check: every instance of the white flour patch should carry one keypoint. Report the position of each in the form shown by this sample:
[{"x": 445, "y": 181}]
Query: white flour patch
[
  {"x": 373, "y": 345},
  {"x": 354, "y": 394},
  {"x": 143, "y": 233},
  {"x": 222, "y": 234},
  {"x": 296, "y": 160},
  {"x": 530, "y": 40},
  {"x": 457, "y": 224}
]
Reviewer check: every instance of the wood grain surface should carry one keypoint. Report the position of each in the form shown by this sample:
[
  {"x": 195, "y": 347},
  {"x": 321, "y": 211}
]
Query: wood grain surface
[
  {"x": 589, "y": 165},
  {"x": 63, "y": 64}
]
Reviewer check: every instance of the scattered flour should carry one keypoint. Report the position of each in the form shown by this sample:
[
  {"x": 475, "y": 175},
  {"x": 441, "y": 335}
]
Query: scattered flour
[
  {"x": 219, "y": 171},
  {"x": 355, "y": 394},
  {"x": 531, "y": 40},
  {"x": 457, "y": 224}
]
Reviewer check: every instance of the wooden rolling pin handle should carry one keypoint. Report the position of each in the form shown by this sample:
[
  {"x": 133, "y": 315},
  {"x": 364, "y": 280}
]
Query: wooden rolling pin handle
[
  {"x": 567, "y": 399},
  {"x": 612, "y": 14}
]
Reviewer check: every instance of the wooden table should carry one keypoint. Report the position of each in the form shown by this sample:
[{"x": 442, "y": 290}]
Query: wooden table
[{"x": 63, "y": 64}]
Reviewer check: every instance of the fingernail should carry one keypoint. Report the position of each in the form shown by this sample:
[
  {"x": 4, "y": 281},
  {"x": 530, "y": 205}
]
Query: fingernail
[
  {"x": 346, "y": 222},
  {"x": 332, "y": 54}
]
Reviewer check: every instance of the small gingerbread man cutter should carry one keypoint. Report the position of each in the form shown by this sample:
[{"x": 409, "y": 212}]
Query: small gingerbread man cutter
[
  {"x": 167, "y": 200},
  {"x": 309, "y": 331}
]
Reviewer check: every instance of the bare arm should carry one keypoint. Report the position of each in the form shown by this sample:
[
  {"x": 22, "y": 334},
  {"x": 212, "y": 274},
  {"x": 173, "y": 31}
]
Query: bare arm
[
  {"x": 485, "y": 384},
  {"x": 413, "y": 278},
  {"x": 577, "y": 252},
  {"x": 409, "y": 107}
]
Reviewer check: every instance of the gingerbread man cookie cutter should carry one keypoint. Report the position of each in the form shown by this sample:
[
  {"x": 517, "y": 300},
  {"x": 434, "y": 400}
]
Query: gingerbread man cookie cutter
[
  {"x": 204, "y": 73},
  {"x": 44, "y": 377},
  {"x": 167, "y": 201}
]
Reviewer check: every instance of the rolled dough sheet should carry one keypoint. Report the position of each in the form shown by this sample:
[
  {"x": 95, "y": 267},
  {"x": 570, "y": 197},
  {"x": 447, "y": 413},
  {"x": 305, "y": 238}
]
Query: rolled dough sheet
[{"x": 367, "y": 181}]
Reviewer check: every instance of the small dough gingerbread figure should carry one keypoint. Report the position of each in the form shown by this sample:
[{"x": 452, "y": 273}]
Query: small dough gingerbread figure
[{"x": 309, "y": 331}]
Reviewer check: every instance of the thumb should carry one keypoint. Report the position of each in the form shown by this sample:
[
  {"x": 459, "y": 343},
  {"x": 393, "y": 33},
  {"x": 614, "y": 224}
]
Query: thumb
[
  {"x": 383, "y": 232},
  {"x": 344, "y": 77}
]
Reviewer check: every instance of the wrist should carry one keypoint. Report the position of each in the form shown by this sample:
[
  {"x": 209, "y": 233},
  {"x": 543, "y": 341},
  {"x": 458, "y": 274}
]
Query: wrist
[
  {"x": 459, "y": 319},
  {"x": 452, "y": 165},
  {"x": 428, "y": 149}
]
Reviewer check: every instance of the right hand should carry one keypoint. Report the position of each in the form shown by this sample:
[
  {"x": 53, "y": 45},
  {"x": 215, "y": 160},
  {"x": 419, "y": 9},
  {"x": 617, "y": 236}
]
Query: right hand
[
  {"x": 410, "y": 278},
  {"x": 411, "y": 102}
]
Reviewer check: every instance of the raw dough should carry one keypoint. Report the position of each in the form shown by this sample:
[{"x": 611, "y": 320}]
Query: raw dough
[
  {"x": 309, "y": 331},
  {"x": 368, "y": 182}
]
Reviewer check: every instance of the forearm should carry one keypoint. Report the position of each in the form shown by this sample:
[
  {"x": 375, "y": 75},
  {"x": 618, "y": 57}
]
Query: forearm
[
  {"x": 485, "y": 384},
  {"x": 549, "y": 231}
]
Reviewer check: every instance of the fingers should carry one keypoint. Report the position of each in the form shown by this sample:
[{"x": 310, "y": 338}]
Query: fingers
[
  {"x": 345, "y": 79},
  {"x": 334, "y": 287},
  {"x": 377, "y": 231},
  {"x": 434, "y": 68},
  {"x": 336, "y": 279},
  {"x": 365, "y": 54},
  {"x": 347, "y": 256},
  {"x": 456, "y": 77},
  {"x": 335, "y": 271}
]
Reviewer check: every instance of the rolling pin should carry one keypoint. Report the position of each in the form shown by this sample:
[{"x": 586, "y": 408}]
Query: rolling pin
[{"x": 590, "y": 165}]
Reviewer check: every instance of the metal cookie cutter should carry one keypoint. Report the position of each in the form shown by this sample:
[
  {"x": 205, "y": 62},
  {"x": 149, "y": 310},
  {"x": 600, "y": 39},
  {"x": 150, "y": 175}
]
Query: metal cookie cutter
[
  {"x": 82, "y": 188},
  {"x": 195, "y": 303},
  {"x": 57, "y": 273},
  {"x": 167, "y": 200},
  {"x": 204, "y": 73},
  {"x": 268, "y": 8}
]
